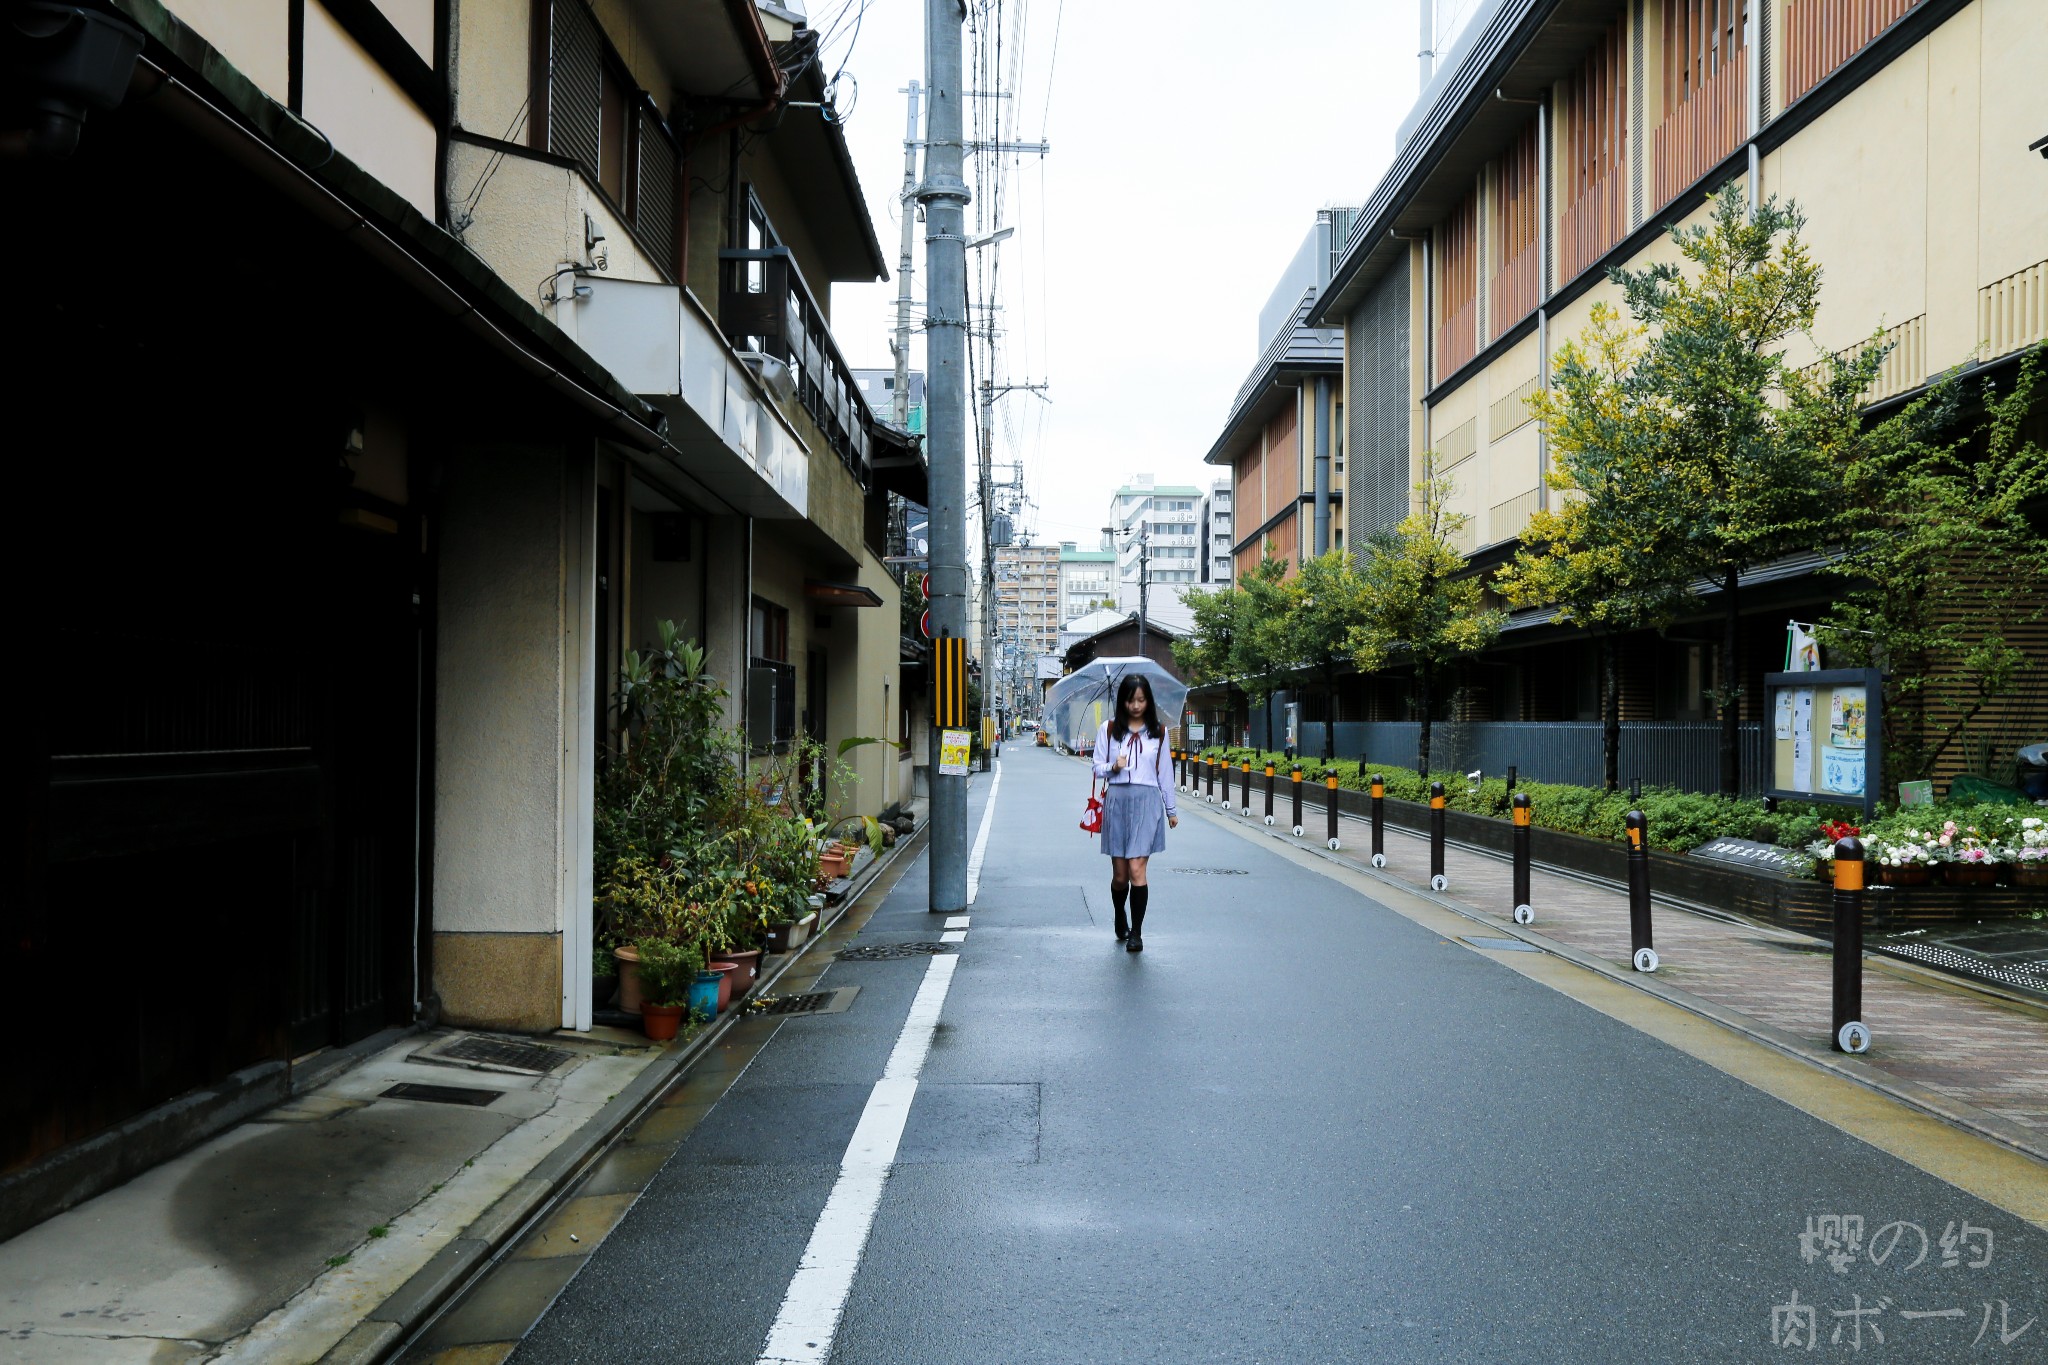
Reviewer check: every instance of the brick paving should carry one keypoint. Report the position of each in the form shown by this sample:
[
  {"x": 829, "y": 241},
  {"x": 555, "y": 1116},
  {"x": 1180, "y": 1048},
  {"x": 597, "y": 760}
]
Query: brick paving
[{"x": 1976, "y": 1050}]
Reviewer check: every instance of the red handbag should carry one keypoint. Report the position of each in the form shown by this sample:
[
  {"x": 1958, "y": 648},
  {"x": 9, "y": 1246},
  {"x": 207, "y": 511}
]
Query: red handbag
[{"x": 1091, "y": 815}]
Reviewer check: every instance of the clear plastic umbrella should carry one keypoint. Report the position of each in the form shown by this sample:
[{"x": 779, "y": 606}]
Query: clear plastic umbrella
[{"x": 1078, "y": 703}]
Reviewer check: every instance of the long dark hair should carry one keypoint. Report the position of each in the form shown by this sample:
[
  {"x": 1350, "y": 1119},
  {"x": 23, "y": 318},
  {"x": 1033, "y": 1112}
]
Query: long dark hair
[{"x": 1131, "y": 683}]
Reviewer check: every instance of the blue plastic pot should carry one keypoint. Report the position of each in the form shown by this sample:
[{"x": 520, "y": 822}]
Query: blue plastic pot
[{"x": 704, "y": 994}]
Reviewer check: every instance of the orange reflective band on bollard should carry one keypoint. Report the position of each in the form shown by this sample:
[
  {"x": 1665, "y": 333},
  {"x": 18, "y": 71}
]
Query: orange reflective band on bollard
[
  {"x": 1848, "y": 874},
  {"x": 1635, "y": 837},
  {"x": 1379, "y": 790},
  {"x": 1522, "y": 815},
  {"x": 1436, "y": 803}
]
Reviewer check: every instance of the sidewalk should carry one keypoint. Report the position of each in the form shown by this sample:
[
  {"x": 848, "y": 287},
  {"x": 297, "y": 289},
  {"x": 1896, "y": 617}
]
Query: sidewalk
[
  {"x": 1972, "y": 1057},
  {"x": 330, "y": 1226}
]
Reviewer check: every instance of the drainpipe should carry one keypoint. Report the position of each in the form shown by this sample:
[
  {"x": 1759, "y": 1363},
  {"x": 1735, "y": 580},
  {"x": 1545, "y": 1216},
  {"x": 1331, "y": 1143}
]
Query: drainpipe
[
  {"x": 1322, "y": 485},
  {"x": 1542, "y": 283}
]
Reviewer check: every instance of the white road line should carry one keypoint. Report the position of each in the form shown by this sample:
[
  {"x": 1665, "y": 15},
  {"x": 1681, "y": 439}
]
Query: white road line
[
  {"x": 956, "y": 921},
  {"x": 803, "y": 1330},
  {"x": 988, "y": 817},
  {"x": 953, "y": 936}
]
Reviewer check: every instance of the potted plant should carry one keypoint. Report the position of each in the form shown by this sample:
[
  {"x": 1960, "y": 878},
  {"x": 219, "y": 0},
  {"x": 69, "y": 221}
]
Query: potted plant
[
  {"x": 1967, "y": 858},
  {"x": 1904, "y": 860},
  {"x": 667, "y": 971},
  {"x": 2026, "y": 856}
]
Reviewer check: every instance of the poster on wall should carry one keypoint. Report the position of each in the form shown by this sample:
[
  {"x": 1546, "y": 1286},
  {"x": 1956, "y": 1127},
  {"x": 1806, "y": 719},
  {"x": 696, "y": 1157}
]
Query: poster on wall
[
  {"x": 953, "y": 750},
  {"x": 1821, "y": 738}
]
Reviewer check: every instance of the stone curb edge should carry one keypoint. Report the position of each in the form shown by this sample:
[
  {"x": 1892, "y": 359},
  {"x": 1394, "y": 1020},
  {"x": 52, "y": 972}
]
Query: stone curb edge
[
  {"x": 1953, "y": 1111},
  {"x": 454, "y": 1267}
]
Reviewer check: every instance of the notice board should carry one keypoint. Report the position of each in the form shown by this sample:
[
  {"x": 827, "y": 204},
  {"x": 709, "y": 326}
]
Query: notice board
[{"x": 1825, "y": 730}]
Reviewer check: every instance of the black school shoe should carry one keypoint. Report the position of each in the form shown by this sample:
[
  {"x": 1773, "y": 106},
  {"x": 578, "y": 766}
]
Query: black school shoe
[{"x": 1134, "y": 944}]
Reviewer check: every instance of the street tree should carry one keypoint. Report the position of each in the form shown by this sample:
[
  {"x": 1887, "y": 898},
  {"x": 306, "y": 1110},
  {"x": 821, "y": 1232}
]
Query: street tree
[
  {"x": 1414, "y": 600},
  {"x": 1944, "y": 567},
  {"x": 1593, "y": 553},
  {"x": 1225, "y": 643},
  {"x": 1311, "y": 633},
  {"x": 1740, "y": 457}
]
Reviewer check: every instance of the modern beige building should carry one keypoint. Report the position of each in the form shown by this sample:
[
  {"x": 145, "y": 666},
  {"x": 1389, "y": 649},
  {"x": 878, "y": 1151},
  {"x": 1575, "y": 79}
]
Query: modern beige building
[
  {"x": 1558, "y": 141},
  {"x": 429, "y": 356}
]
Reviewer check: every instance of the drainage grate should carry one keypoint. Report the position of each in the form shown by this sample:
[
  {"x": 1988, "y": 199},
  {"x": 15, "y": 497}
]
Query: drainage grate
[
  {"x": 495, "y": 1054},
  {"x": 1503, "y": 945},
  {"x": 888, "y": 952},
  {"x": 1209, "y": 871},
  {"x": 441, "y": 1094},
  {"x": 2031, "y": 976},
  {"x": 816, "y": 1002}
]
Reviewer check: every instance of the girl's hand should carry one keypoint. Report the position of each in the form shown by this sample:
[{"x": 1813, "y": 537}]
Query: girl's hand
[
  {"x": 1173, "y": 822},
  {"x": 1117, "y": 766}
]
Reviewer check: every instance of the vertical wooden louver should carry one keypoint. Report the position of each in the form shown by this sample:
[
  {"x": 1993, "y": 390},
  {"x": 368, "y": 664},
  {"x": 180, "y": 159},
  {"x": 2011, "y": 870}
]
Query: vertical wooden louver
[
  {"x": 1822, "y": 34},
  {"x": 1457, "y": 285},
  {"x": 1517, "y": 198},
  {"x": 1595, "y": 118},
  {"x": 1706, "y": 89}
]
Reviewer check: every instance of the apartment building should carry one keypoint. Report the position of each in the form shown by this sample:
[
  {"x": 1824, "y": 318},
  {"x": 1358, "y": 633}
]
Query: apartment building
[
  {"x": 1087, "y": 580},
  {"x": 1027, "y": 614},
  {"x": 510, "y": 338},
  {"x": 1560, "y": 140},
  {"x": 1155, "y": 528},
  {"x": 1218, "y": 539},
  {"x": 1282, "y": 440}
]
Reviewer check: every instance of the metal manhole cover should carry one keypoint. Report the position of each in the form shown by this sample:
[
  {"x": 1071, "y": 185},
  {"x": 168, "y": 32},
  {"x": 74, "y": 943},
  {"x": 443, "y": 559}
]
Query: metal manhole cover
[
  {"x": 815, "y": 1002},
  {"x": 1503, "y": 945},
  {"x": 441, "y": 1094},
  {"x": 1209, "y": 871},
  {"x": 496, "y": 1054},
  {"x": 887, "y": 952}
]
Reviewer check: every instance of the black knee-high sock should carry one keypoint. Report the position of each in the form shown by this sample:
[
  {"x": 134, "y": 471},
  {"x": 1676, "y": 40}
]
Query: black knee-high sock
[
  {"x": 1139, "y": 895},
  {"x": 1118, "y": 891}
]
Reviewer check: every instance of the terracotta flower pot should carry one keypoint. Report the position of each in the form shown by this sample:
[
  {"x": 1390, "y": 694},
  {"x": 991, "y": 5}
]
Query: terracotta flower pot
[
  {"x": 2034, "y": 873},
  {"x": 1969, "y": 874},
  {"x": 629, "y": 979},
  {"x": 726, "y": 971},
  {"x": 749, "y": 965},
  {"x": 660, "y": 1022},
  {"x": 1906, "y": 874}
]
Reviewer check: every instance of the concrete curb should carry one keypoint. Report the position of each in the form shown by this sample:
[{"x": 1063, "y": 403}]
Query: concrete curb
[
  {"x": 455, "y": 1267},
  {"x": 1949, "y": 1110}
]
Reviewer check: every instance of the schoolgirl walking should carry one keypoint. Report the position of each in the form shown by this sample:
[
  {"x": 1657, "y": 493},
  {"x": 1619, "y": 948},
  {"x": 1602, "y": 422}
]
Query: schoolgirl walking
[{"x": 1138, "y": 808}]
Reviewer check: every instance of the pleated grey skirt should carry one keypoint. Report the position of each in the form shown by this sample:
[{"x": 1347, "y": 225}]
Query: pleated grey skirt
[{"x": 1133, "y": 821}]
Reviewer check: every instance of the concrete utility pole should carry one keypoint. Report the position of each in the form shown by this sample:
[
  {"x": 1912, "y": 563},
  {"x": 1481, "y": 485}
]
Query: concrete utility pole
[
  {"x": 944, "y": 197},
  {"x": 900, "y": 410}
]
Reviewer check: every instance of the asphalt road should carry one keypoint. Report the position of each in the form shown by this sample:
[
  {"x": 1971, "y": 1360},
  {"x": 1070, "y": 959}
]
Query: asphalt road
[{"x": 1298, "y": 1127}]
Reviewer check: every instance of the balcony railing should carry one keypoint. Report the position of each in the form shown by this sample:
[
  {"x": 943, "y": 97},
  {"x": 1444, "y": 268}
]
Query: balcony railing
[
  {"x": 1703, "y": 130},
  {"x": 764, "y": 305}
]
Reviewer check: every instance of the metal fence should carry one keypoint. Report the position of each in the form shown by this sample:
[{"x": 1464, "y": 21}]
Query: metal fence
[{"x": 1682, "y": 754}]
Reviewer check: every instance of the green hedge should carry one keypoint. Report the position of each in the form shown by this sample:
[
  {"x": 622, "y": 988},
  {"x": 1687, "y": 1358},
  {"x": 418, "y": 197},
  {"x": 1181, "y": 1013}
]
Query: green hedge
[{"x": 1675, "y": 820}]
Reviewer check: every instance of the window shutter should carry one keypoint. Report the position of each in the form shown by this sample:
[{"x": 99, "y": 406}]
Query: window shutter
[{"x": 575, "y": 84}]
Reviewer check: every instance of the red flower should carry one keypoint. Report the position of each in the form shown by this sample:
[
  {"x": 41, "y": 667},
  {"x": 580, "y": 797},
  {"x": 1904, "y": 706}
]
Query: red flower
[{"x": 1837, "y": 830}]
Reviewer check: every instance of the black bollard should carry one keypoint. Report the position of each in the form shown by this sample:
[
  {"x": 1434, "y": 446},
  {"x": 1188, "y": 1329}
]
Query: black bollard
[
  {"x": 1438, "y": 879},
  {"x": 1635, "y": 790},
  {"x": 1511, "y": 779},
  {"x": 1525, "y": 912},
  {"x": 1245, "y": 797},
  {"x": 1641, "y": 954},
  {"x": 1294, "y": 777},
  {"x": 1851, "y": 1034},
  {"x": 1330, "y": 794},
  {"x": 1226, "y": 782},
  {"x": 1379, "y": 821},
  {"x": 1269, "y": 791},
  {"x": 1209, "y": 767}
]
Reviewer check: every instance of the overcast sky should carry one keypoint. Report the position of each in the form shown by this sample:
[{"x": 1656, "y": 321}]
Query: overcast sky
[{"x": 1192, "y": 144}]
